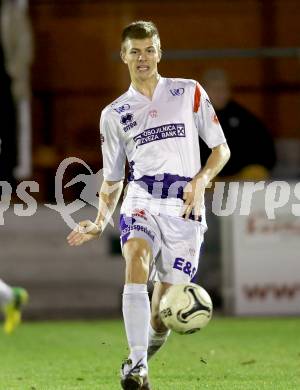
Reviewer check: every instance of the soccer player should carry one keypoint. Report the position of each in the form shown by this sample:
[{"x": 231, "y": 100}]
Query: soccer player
[
  {"x": 11, "y": 301},
  {"x": 155, "y": 125}
]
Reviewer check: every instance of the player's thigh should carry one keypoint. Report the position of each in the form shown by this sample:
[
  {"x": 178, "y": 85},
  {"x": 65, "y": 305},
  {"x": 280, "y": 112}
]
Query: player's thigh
[
  {"x": 140, "y": 241},
  {"x": 139, "y": 232}
]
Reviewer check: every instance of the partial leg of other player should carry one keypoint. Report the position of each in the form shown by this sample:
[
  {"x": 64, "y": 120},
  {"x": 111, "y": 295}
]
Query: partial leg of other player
[
  {"x": 11, "y": 301},
  {"x": 158, "y": 333}
]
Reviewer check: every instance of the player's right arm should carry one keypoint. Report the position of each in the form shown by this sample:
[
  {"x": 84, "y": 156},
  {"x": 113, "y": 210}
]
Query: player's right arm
[
  {"x": 114, "y": 159},
  {"x": 109, "y": 195}
]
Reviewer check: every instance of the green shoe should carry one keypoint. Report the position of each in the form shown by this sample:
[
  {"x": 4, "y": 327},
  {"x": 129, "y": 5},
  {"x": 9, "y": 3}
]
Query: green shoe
[{"x": 12, "y": 311}]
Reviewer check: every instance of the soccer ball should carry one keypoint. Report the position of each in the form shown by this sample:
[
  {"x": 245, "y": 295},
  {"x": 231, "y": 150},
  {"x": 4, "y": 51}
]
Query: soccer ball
[{"x": 185, "y": 308}]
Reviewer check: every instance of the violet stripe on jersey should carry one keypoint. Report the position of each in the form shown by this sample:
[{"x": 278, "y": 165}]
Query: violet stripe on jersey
[{"x": 163, "y": 185}]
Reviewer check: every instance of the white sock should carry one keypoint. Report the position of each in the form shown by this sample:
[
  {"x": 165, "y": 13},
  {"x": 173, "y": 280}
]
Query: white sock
[
  {"x": 6, "y": 293},
  {"x": 156, "y": 340},
  {"x": 136, "y": 313}
]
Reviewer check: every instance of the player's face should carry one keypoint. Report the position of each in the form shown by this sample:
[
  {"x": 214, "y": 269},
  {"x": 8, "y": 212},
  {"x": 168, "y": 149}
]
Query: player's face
[{"x": 142, "y": 57}]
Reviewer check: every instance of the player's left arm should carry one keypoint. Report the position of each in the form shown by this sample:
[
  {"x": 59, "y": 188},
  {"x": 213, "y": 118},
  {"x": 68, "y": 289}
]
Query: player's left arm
[
  {"x": 211, "y": 132},
  {"x": 193, "y": 194}
]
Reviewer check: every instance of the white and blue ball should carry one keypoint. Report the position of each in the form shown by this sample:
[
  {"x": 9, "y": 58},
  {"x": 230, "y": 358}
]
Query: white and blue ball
[{"x": 186, "y": 308}]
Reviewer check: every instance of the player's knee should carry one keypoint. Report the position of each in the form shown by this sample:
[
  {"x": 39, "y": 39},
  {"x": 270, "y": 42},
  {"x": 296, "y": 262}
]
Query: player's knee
[{"x": 137, "y": 253}]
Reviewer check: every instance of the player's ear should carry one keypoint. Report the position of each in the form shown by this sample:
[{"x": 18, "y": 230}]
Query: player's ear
[
  {"x": 122, "y": 55},
  {"x": 159, "y": 55}
]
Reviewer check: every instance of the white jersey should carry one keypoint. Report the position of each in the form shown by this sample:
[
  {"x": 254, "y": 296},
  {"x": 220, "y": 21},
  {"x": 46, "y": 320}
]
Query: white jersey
[{"x": 159, "y": 137}]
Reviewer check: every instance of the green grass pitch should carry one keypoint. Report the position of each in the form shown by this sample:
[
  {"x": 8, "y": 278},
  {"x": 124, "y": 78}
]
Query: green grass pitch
[{"x": 229, "y": 354}]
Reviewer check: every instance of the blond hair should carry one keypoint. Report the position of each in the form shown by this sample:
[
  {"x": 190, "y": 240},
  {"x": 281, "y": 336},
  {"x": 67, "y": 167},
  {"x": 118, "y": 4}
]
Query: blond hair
[{"x": 140, "y": 30}]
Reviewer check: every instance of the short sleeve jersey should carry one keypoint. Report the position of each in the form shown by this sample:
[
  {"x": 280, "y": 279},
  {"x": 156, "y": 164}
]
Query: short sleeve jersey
[{"x": 159, "y": 137}]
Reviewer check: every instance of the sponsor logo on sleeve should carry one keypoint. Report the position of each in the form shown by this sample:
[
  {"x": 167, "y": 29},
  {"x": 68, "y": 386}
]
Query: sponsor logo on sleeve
[
  {"x": 172, "y": 130},
  {"x": 122, "y": 109}
]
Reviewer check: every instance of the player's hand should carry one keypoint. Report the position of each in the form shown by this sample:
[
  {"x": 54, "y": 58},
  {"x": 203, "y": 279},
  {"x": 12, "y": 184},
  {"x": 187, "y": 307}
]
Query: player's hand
[
  {"x": 85, "y": 231},
  {"x": 193, "y": 197}
]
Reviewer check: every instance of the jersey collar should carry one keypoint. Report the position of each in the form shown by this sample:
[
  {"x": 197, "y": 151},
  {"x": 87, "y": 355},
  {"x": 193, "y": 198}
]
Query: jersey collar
[{"x": 135, "y": 92}]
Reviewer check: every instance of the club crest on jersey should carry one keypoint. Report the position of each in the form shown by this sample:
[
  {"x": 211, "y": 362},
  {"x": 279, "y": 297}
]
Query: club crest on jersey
[
  {"x": 122, "y": 109},
  {"x": 177, "y": 91},
  {"x": 127, "y": 121},
  {"x": 153, "y": 113}
]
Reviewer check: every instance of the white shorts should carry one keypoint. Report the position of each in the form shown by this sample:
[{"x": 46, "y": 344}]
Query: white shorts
[{"x": 175, "y": 243}]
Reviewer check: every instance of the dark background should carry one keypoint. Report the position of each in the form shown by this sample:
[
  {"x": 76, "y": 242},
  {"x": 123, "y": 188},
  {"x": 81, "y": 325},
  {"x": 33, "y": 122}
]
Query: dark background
[{"x": 77, "y": 71}]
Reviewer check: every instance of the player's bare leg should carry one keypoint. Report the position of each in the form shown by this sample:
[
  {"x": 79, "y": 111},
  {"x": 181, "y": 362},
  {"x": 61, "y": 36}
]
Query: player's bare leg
[
  {"x": 136, "y": 312},
  {"x": 158, "y": 333},
  {"x": 137, "y": 254}
]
